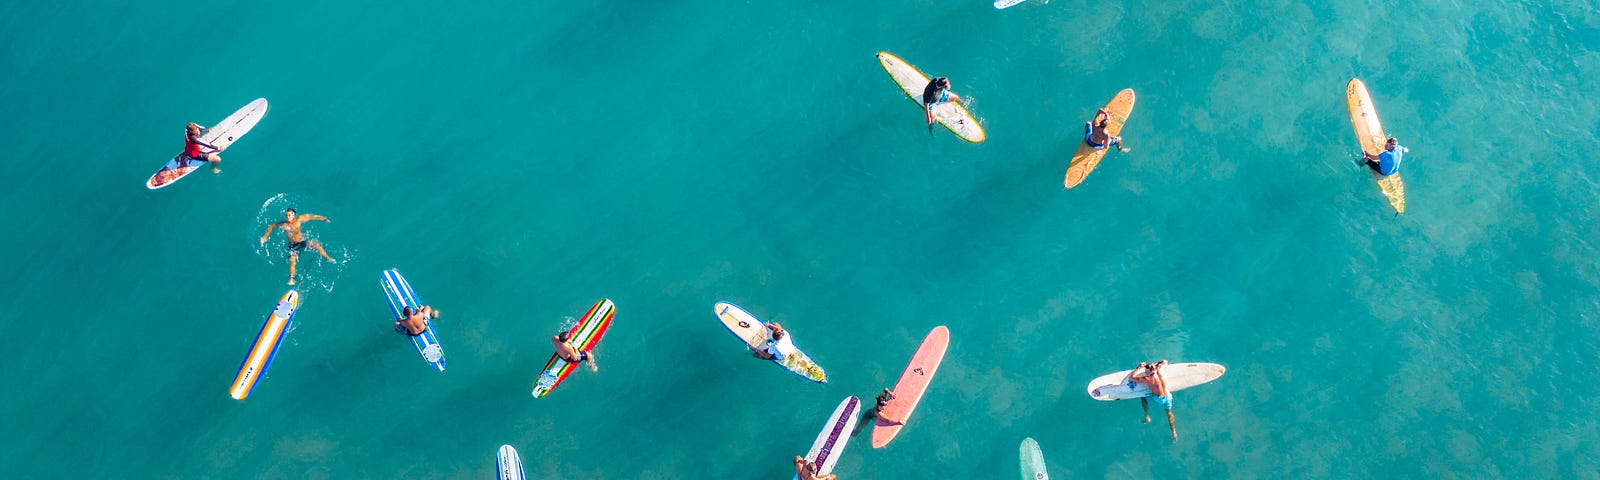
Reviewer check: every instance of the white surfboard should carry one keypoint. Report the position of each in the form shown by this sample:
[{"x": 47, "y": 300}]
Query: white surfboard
[
  {"x": 1005, "y": 3},
  {"x": 952, "y": 115},
  {"x": 510, "y": 464},
  {"x": 1117, "y": 386},
  {"x": 1032, "y": 461},
  {"x": 835, "y": 435},
  {"x": 221, "y": 135}
]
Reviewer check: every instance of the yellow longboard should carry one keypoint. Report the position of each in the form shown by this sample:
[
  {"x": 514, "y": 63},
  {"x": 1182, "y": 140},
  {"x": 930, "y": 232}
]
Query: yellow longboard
[
  {"x": 1086, "y": 158},
  {"x": 1370, "y": 133}
]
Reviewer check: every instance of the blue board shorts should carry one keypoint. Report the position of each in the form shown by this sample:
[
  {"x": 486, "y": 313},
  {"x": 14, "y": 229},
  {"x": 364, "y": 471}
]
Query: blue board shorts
[{"x": 1164, "y": 402}]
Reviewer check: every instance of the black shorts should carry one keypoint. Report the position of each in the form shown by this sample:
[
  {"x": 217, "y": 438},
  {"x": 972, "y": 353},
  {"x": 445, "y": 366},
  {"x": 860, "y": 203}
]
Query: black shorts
[{"x": 296, "y": 247}]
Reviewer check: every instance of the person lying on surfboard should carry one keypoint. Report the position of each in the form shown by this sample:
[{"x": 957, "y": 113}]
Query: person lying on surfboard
[
  {"x": 416, "y": 320},
  {"x": 192, "y": 145},
  {"x": 779, "y": 345},
  {"x": 1388, "y": 162},
  {"x": 1150, "y": 374},
  {"x": 297, "y": 240},
  {"x": 805, "y": 470},
  {"x": 937, "y": 91},
  {"x": 566, "y": 351},
  {"x": 1095, "y": 134}
]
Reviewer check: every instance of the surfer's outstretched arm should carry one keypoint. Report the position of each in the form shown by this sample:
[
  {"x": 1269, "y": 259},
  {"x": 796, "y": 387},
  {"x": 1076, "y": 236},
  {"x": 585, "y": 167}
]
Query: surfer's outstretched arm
[
  {"x": 264, "y": 236},
  {"x": 312, "y": 216}
]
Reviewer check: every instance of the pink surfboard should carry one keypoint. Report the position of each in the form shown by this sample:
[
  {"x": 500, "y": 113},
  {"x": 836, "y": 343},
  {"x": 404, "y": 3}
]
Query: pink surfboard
[{"x": 913, "y": 382}]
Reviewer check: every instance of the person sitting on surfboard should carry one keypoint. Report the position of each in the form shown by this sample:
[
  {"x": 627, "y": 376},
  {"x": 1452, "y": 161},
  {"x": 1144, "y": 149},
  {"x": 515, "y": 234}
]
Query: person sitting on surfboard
[
  {"x": 1388, "y": 162},
  {"x": 1150, "y": 374},
  {"x": 805, "y": 470},
  {"x": 1095, "y": 134},
  {"x": 416, "y": 320},
  {"x": 566, "y": 351},
  {"x": 937, "y": 91},
  {"x": 191, "y": 149},
  {"x": 779, "y": 345},
  {"x": 297, "y": 240}
]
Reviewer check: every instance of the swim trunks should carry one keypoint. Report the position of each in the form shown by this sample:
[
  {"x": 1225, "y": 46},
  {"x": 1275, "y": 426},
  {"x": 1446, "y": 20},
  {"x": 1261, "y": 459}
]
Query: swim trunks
[
  {"x": 296, "y": 247},
  {"x": 1165, "y": 402}
]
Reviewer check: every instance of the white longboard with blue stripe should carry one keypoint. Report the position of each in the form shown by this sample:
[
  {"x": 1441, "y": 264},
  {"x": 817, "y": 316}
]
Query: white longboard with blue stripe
[
  {"x": 401, "y": 296},
  {"x": 510, "y": 464}
]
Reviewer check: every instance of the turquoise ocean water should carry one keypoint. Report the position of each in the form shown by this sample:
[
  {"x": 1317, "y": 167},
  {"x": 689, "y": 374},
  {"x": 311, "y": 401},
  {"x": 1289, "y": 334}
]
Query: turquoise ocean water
[{"x": 520, "y": 160}]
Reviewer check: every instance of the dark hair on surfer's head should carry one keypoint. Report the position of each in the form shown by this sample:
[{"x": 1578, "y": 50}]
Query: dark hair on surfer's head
[
  {"x": 407, "y": 311},
  {"x": 563, "y": 336},
  {"x": 290, "y": 210}
]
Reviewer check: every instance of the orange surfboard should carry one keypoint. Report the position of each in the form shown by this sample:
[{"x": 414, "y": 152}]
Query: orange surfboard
[
  {"x": 913, "y": 382},
  {"x": 1086, "y": 158}
]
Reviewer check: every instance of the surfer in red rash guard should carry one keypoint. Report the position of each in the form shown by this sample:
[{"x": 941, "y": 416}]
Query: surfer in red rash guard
[
  {"x": 1150, "y": 374},
  {"x": 192, "y": 149}
]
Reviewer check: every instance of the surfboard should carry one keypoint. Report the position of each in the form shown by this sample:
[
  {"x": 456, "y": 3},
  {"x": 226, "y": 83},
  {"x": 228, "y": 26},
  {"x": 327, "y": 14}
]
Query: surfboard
[
  {"x": 1033, "y": 461},
  {"x": 1085, "y": 158},
  {"x": 585, "y": 335},
  {"x": 834, "y": 436},
  {"x": 753, "y": 332},
  {"x": 400, "y": 296},
  {"x": 913, "y": 383},
  {"x": 265, "y": 348},
  {"x": 221, "y": 135},
  {"x": 1117, "y": 386},
  {"x": 952, "y": 115},
  {"x": 509, "y": 463},
  {"x": 1005, "y": 3},
  {"x": 1369, "y": 131}
]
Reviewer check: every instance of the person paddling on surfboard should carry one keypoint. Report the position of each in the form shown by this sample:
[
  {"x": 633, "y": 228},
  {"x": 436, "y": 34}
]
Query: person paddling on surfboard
[
  {"x": 779, "y": 346},
  {"x": 937, "y": 91},
  {"x": 192, "y": 149},
  {"x": 1095, "y": 134},
  {"x": 566, "y": 351},
  {"x": 416, "y": 320},
  {"x": 1150, "y": 374},
  {"x": 805, "y": 470},
  {"x": 1387, "y": 162},
  {"x": 297, "y": 240}
]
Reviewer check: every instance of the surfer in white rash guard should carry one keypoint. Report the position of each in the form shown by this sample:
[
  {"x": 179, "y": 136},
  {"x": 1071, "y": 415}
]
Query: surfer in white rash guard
[
  {"x": 566, "y": 351},
  {"x": 779, "y": 345},
  {"x": 1150, "y": 374},
  {"x": 808, "y": 471}
]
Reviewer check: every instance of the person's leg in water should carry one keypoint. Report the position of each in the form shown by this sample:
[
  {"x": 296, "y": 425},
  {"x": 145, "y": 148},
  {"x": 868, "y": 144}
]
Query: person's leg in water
[
  {"x": 294, "y": 257},
  {"x": 318, "y": 245},
  {"x": 215, "y": 160},
  {"x": 589, "y": 358},
  {"x": 1144, "y": 402}
]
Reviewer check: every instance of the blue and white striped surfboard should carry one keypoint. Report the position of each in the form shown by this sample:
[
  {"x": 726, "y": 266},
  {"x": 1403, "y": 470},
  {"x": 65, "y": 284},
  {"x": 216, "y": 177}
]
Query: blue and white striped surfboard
[{"x": 401, "y": 296}]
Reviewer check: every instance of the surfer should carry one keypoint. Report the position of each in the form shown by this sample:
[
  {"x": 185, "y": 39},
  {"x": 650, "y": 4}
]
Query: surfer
[
  {"x": 937, "y": 91},
  {"x": 297, "y": 241},
  {"x": 416, "y": 320},
  {"x": 191, "y": 149},
  {"x": 1388, "y": 162},
  {"x": 779, "y": 345},
  {"x": 1095, "y": 134},
  {"x": 566, "y": 351},
  {"x": 805, "y": 470},
  {"x": 1150, "y": 374}
]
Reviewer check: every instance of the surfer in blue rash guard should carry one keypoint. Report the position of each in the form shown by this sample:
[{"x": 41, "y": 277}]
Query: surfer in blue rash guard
[
  {"x": 1150, "y": 374},
  {"x": 937, "y": 91},
  {"x": 1388, "y": 162}
]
